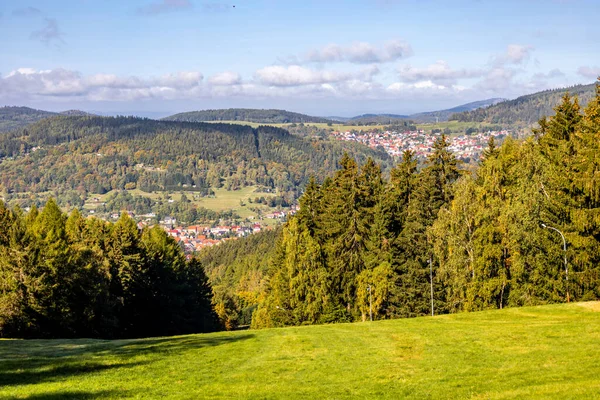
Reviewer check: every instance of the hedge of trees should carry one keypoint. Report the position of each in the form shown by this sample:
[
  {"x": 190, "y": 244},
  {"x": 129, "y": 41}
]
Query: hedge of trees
[{"x": 66, "y": 276}]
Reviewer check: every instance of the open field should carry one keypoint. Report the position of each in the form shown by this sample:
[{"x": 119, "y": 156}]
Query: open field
[
  {"x": 223, "y": 200},
  {"x": 533, "y": 352},
  {"x": 454, "y": 126},
  {"x": 320, "y": 125}
]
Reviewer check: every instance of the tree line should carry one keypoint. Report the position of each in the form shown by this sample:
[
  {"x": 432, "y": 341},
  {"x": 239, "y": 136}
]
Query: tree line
[
  {"x": 476, "y": 240},
  {"x": 66, "y": 276}
]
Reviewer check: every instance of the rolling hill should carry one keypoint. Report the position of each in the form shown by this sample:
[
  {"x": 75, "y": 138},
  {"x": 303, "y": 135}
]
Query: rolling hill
[
  {"x": 18, "y": 117},
  {"x": 366, "y": 116},
  {"x": 423, "y": 117},
  {"x": 12, "y": 117},
  {"x": 245, "y": 114},
  {"x": 525, "y": 110},
  {"x": 534, "y": 352},
  {"x": 99, "y": 154},
  {"x": 444, "y": 115}
]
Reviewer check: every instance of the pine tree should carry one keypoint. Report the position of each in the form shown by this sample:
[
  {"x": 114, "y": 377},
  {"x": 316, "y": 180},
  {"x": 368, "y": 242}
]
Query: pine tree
[
  {"x": 433, "y": 190},
  {"x": 346, "y": 233},
  {"x": 310, "y": 207}
]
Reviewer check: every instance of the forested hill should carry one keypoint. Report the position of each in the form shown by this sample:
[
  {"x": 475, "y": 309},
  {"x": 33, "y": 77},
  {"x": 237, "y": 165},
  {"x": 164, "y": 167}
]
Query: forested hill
[
  {"x": 444, "y": 115},
  {"x": 246, "y": 114},
  {"x": 12, "y": 117},
  {"x": 525, "y": 110},
  {"x": 98, "y": 154},
  {"x": 17, "y": 117}
]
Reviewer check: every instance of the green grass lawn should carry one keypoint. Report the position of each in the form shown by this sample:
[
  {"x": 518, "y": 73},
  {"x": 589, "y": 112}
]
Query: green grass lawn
[{"x": 535, "y": 352}]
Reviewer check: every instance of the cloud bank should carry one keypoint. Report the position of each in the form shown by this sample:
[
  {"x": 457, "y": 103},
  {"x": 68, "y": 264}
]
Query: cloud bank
[
  {"x": 355, "y": 79},
  {"x": 361, "y": 53}
]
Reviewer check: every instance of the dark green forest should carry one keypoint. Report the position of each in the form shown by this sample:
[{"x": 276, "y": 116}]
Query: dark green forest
[
  {"x": 481, "y": 238},
  {"x": 238, "y": 272},
  {"x": 13, "y": 117},
  {"x": 72, "y": 157},
  {"x": 18, "y": 117},
  {"x": 246, "y": 114},
  {"x": 66, "y": 276},
  {"x": 526, "y": 110}
]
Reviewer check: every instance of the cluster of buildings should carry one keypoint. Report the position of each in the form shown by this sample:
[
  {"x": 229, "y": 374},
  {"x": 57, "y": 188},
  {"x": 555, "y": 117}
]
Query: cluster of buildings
[
  {"x": 194, "y": 238},
  {"x": 395, "y": 143}
]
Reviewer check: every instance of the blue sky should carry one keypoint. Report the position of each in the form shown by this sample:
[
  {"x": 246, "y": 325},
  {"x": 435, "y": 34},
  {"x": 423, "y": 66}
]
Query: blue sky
[{"x": 155, "y": 57}]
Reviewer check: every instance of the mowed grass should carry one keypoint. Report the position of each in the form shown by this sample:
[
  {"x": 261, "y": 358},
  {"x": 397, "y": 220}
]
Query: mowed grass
[{"x": 534, "y": 352}]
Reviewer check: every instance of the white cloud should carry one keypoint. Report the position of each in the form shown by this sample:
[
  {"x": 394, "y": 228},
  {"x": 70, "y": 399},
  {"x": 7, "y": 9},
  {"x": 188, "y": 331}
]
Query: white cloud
[
  {"x": 514, "y": 54},
  {"x": 361, "y": 53},
  {"x": 179, "y": 80},
  {"x": 424, "y": 86},
  {"x": 497, "y": 80},
  {"x": 226, "y": 78},
  {"x": 295, "y": 75},
  {"x": 27, "y": 82},
  {"x": 589, "y": 72},
  {"x": 367, "y": 73},
  {"x": 439, "y": 72}
]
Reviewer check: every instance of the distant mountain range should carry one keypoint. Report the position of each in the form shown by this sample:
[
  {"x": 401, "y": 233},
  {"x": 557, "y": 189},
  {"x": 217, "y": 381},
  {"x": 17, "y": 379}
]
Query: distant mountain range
[
  {"x": 430, "y": 116},
  {"x": 522, "y": 111},
  {"x": 283, "y": 117},
  {"x": 444, "y": 115},
  {"x": 17, "y": 117},
  {"x": 525, "y": 110}
]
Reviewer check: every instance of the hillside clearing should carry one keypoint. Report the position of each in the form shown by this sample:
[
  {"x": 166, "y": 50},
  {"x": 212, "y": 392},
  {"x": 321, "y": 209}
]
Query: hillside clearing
[{"x": 533, "y": 352}]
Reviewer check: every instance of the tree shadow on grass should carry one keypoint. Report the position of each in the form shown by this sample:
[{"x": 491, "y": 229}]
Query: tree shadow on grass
[
  {"x": 75, "y": 395},
  {"x": 25, "y": 362},
  {"x": 35, "y": 371}
]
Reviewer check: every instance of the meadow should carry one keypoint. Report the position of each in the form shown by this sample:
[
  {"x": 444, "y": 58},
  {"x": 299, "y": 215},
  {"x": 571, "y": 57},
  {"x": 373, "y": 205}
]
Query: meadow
[
  {"x": 532, "y": 352},
  {"x": 320, "y": 125},
  {"x": 223, "y": 200},
  {"x": 455, "y": 127}
]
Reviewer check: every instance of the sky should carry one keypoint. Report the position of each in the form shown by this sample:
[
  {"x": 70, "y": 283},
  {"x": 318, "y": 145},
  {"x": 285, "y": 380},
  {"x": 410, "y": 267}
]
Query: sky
[{"x": 326, "y": 58}]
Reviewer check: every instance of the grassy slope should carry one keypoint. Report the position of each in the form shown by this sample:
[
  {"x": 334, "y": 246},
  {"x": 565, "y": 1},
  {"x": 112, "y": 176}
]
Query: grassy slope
[
  {"x": 223, "y": 200},
  {"x": 535, "y": 352},
  {"x": 321, "y": 125},
  {"x": 455, "y": 126}
]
